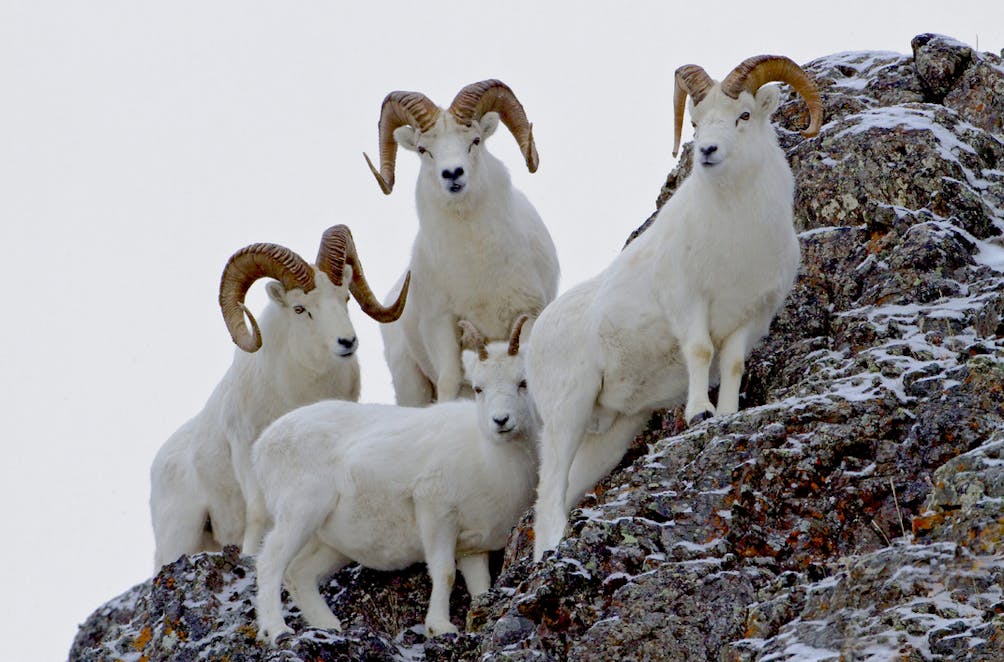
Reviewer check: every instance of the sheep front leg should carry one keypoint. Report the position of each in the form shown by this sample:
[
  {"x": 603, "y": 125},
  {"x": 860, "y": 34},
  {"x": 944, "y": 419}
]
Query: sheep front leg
[
  {"x": 731, "y": 362},
  {"x": 444, "y": 350},
  {"x": 474, "y": 568},
  {"x": 291, "y": 532},
  {"x": 439, "y": 543},
  {"x": 697, "y": 354},
  {"x": 599, "y": 454},
  {"x": 316, "y": 561}
]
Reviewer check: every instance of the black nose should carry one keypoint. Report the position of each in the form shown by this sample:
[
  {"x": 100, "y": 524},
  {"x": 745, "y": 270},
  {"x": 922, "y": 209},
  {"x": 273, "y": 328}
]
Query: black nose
[
  {"x": 456, "y": 173},
  {"x": 347, "y": 343},
  {"x": 500, "y": 420},
  {"x": 709, "y": 150}
]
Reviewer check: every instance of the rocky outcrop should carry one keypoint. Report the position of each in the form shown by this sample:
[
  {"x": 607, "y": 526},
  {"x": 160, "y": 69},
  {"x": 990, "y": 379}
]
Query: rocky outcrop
[{"x": 854, "y": 508}]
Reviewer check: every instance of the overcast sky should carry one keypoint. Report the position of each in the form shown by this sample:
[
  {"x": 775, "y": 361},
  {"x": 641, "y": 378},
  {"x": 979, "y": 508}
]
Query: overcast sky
[{"x": 141, "y": 143}]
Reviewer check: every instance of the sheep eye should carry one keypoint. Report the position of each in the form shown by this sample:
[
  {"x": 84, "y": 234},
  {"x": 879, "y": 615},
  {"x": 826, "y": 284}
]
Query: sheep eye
[
  {"x": 522, "y": 384},
  {"x": 745, "y": 116},
  {"x": 299, "y": 310},
  {"x": 477, "y": 141},
  {"x": 422, "y": 150},
  {"x": 477, "y": 390}
]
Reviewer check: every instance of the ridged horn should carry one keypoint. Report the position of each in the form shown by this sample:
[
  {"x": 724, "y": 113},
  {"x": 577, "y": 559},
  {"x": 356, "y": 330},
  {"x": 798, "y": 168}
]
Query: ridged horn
[
  {"x": 693, "y": 80},
  {"x": 399, "y": 109},
  {"x": 338, "y": 249},
  {"x": 476, "y": 99},
  {"x": 517, "y": 328},
  {"x": 245, "y": 267},
  {"x": 756, "y": 71},
  {"x": 471, "y": 338}
]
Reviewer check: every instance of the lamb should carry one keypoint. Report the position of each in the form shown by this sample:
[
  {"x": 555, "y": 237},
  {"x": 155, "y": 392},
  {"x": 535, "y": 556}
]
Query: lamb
[
  {"x": 200, "y": 475},
  {"x": 389, "y": 486},
  {"x": 482, "y": 252},
  {"x": 683, "y": 302}
]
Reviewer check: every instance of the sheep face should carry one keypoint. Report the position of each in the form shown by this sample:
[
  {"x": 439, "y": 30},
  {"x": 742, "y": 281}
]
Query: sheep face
[
  {"x": 728, "y": 133},
  {"x": 319, "y": 331},
  {"x": 505, "y": 409},
  {"x": 450, "y": 152}
]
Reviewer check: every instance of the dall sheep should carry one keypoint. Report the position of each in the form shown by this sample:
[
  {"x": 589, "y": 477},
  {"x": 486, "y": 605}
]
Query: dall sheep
[
  {"x": 482, "y": 252},
  {"x": 701, "y": 284},
  {"x": 201, "y": 473},
  {"x": 389, "y": 486}
]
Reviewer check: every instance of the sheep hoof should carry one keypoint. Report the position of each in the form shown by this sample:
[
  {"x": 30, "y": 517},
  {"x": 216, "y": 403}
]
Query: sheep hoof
[
  {"x": 266, "y": 636},
  {"x": 438, "y": 628},
  {"x": 700, "y": 418}
]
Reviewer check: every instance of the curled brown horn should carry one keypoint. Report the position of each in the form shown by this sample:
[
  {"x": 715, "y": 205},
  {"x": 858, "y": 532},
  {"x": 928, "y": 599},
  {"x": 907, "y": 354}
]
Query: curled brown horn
[
  {"x": 476, "y": 99},
  {"x": 693, "y": 80},
  {"x": 337, "y": 249},
  {"x": 471, "y": 338},
  {"x": 759, "y": 70},
  {"x": 517, "y": 328},
  {"x": 245, "y": 267},
  {"x": 399, "y": 109}
]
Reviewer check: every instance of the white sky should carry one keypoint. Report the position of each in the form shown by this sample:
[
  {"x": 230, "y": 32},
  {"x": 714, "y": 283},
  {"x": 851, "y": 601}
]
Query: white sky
[{"x": 141, "y": 143}]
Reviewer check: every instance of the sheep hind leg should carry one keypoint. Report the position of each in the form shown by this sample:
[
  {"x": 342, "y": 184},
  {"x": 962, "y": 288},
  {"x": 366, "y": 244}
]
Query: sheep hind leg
[
  {"x": 182, "y": 530},
  {"x": 560, "y": 440},
  {"x": 256, "y": 523},
  {"x": 289, "y": 535},
  {"x": 599, "y": 454},
  {"x": 474, "y": 568},
  {"x": 315, "y": 562},
  {"x": 411, "y": 387}
]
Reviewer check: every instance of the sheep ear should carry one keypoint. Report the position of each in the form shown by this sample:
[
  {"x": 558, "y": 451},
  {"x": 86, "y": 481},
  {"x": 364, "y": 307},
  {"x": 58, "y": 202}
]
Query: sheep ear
[
  {"x": 469, "y": 358},
  {"x": 276, "y": 292},
  {"x": 489, "y": 122},
  {"x": 406, "y": 137},
  {"x": 767, "y": 99}
]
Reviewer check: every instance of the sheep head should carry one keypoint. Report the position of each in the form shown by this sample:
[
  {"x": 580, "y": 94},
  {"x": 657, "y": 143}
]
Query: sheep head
[
  {"x": 497, "y": 374},
  {"x": 740, "y": 101},
  {"x": 316, "y": 306},
  {"x": 449, "y": 141}
]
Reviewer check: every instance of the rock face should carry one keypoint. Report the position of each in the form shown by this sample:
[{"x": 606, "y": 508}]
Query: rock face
[{"x": 853, "y": 509}]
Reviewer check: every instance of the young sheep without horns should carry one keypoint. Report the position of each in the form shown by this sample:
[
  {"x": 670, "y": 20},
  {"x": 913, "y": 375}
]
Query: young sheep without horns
[
  {"x": 481, "y": 252},
  {"x": 201, "y": 474},
  {"x": 683, "y": 302},
  {"x": 389, "y": 486}
]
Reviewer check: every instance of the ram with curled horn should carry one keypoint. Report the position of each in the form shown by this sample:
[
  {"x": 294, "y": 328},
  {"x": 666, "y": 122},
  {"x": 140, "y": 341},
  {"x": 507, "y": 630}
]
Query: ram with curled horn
[
  {"x": 482, "y": 252},
  {"x": 303, "y": 351},
  {"x": 682, "y": 305}
]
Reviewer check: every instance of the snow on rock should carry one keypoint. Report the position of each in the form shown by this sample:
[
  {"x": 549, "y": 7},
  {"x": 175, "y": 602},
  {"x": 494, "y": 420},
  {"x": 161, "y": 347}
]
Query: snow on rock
[{"x": 853, "y": 508}]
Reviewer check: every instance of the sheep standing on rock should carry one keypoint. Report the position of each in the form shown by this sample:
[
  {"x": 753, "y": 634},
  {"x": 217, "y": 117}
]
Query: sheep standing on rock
[
  {"x": 201, "y": 474},
  {"x": 481, "y": 252},
  {"x": 389, "y": 486},
  {"x": 684, "y": 301}
]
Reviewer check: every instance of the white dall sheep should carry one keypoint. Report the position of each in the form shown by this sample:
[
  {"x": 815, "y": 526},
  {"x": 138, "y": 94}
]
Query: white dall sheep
[
  {"x": 390, "y": 486},
  {"x": 482, "y": 252},
  {"x": 200, "y": 475},
  {"x": 683, "y": 302}
]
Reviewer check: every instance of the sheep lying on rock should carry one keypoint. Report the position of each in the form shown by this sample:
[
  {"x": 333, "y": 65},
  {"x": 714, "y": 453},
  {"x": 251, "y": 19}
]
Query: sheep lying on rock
[
  {"x": 201, "y": 474},
  {"x": 389, "y": 486},
  {"x": 681, "y": 304}
]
